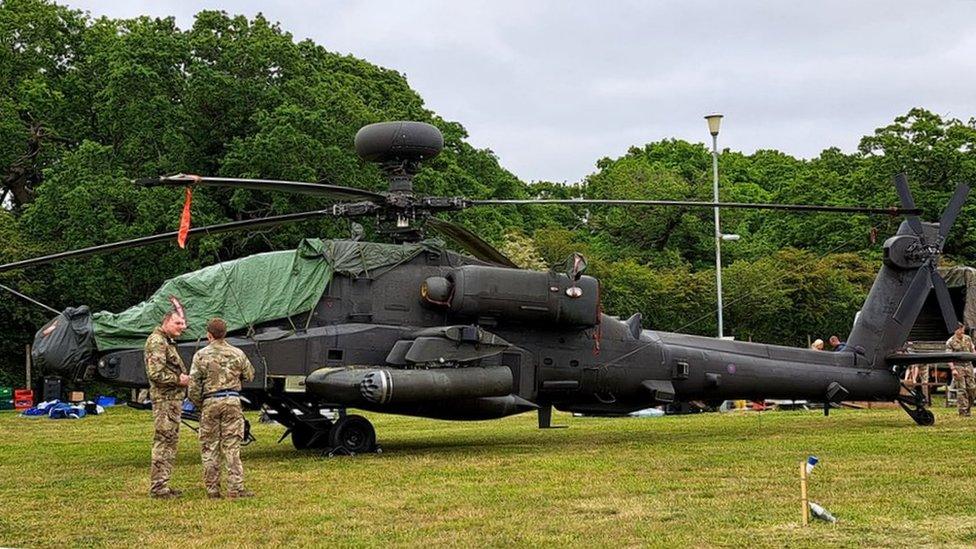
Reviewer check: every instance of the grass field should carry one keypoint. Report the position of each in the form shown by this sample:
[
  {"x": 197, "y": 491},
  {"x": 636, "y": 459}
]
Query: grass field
[{"x": 703, "y": 480}]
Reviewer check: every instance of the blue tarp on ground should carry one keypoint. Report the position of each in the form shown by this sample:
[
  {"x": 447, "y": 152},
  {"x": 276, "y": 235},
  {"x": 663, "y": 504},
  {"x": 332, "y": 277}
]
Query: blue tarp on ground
[{"x": 55, "y": 409}]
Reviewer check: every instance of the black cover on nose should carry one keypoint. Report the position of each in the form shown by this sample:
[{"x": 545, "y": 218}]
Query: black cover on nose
[{"x": 66, "y": 344}]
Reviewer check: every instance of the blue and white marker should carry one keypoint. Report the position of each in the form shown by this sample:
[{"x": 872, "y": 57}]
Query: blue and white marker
[{"x": 811, "y": 463}]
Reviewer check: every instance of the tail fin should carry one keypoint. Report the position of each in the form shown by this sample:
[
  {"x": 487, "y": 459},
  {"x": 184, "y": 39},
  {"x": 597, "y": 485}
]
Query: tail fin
[{"x": 904, "y": 281}]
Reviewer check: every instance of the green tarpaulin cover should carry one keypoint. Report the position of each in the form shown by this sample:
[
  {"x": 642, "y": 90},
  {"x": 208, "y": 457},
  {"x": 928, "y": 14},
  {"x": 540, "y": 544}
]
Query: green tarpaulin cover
[{"x": 252, "y": 289}]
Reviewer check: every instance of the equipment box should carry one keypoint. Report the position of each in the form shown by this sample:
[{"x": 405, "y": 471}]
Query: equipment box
[
  {"x": 23, "y": 399},
  {"x": 76, "y": 396},
  {"x": 52, "y": 389}
]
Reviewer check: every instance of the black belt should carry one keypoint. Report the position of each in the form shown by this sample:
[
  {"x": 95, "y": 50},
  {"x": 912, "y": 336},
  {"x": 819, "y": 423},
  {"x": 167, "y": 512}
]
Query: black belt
[{"x": 222, "y": 394}]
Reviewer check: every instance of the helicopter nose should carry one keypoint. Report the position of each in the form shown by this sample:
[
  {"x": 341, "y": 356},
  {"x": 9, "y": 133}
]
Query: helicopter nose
[{"x": 66, "y": 344}]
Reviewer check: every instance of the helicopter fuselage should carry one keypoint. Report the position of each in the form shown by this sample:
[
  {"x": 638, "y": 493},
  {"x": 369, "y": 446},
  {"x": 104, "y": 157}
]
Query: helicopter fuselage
[{"x": 606, "y": 367}]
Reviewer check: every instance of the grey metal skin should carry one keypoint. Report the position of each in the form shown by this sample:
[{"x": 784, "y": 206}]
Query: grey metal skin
[{"x": 612, "y": 367}]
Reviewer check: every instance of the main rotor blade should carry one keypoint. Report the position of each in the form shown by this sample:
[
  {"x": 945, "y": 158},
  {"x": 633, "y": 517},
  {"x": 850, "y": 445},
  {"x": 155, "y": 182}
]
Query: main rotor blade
[
  {"x": 952, "y": 210},
  {"x": 693, "y": 204},
  {"x": 907, "y": 202},
  {"x": 146, "y": 240},
  {"x": 30, "y": 300},
  {"x": 945, "y": 301},
  {"x": 918, "y": 291},
  {"x": 320, "y": 189},
  {"x": 470, "y": 242}
]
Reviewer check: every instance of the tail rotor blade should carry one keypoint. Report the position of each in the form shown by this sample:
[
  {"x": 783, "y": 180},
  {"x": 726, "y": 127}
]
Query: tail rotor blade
[
  {"x": 945, "y": 301},
  {"x": 952, "y": 210},
  {"x": 907, "y": 202},
  {"x": 915, "y": 297}
]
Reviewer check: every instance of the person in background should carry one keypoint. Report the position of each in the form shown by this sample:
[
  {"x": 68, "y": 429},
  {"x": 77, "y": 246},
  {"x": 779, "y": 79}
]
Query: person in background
[
  {"x": 837, "y": 344},
  {"x": 917, "y": 374},
  {"x": 817, "y": 345}
]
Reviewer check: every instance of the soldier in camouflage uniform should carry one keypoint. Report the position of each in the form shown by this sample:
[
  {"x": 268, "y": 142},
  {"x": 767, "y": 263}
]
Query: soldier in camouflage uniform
[
  {"x": 216, "y": 376},
  {"x": 962, "y": 372},
  {"x": 167, "y": 386}
]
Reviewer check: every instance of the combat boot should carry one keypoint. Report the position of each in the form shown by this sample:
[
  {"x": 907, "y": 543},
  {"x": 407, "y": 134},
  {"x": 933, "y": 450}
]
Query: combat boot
[
  {"x": 240, "y": 494},
  {"x": 213, "y": 495},
  {"x": 165, "y": 493}
]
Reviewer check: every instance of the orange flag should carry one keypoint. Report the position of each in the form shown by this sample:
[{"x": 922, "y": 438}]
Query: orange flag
[{"x": 185, "y": 219}]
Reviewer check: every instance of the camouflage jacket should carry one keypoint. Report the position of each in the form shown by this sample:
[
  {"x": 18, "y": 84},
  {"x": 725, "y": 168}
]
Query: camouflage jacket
[
  {"x": 163, "y": 367},
  {"x": 216, "y": 367},
  {"x": 960, "y": 345}
]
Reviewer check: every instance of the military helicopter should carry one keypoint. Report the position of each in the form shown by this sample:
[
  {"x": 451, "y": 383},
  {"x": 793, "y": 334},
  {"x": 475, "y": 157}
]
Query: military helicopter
[{"x": 414, "y": 328}]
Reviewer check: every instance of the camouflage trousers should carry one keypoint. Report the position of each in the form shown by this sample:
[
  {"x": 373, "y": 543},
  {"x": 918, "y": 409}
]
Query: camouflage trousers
[
  {"x": 917, "y": 374},
  {"x": 166, "y": 424},
  {"x": 221, "y": 432},
  {"x": 965, "y": 385}
]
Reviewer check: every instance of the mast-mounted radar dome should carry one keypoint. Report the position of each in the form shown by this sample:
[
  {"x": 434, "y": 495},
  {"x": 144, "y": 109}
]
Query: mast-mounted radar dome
[{"x": 398, "y": 142}]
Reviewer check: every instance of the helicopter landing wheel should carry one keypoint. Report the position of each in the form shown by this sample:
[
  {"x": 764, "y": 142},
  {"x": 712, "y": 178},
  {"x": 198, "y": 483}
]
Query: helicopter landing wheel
[
  {"x": 914, "y": 406},
  {"x": 354, "y": 434},
  {"x": 924, "y": 417}
]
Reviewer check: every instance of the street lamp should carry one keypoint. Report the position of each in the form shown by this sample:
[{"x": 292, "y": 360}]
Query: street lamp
[{"x": 714, "y": 121}]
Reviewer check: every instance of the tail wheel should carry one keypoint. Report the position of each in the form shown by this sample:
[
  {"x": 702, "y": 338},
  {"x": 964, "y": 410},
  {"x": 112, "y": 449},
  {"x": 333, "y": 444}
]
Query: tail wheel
[
  {"x": 924, "y": 418},
  {"x": 353, "y": 433}
]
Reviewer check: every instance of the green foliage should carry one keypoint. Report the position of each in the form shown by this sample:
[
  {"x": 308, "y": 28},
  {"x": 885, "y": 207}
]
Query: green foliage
[
  {"x": 522, "y": 251},
  {"x": 668, "y": 170},
  {"x": 667, "y": 298},
  {"x": 87, "y": 105}
]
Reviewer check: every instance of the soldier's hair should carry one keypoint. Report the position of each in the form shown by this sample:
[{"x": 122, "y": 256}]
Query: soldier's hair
[
  {"x": 217, "y": 327},
  {"x": 168, "y": 316}
]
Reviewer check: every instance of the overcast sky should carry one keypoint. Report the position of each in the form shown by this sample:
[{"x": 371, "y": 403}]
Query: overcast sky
[{"x": 553, "y": 86}]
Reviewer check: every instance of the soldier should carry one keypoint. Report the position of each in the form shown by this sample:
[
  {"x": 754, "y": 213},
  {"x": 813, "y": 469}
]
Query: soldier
[
  {"x": 215, "y": 383},
  {"x": 167, "y": 385},
  {"x": 962, "y": 372}
]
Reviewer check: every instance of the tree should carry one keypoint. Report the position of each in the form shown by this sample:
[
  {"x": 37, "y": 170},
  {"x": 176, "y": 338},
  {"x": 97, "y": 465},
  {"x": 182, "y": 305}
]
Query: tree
[{"x": 88, "y": 105}]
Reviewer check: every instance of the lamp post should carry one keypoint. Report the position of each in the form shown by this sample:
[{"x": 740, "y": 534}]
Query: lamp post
[{"x": 714, "y": 121}]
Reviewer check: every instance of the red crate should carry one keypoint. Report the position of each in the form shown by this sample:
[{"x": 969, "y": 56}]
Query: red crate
[{"x": 23, "y": 399}]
